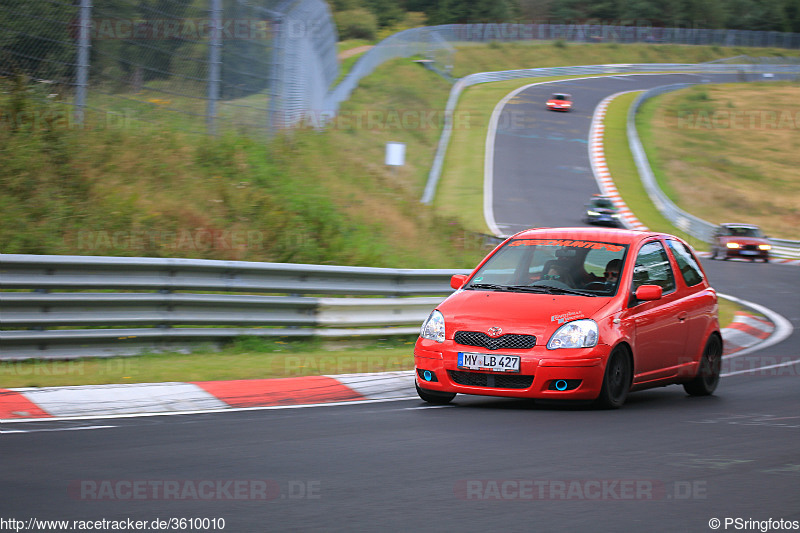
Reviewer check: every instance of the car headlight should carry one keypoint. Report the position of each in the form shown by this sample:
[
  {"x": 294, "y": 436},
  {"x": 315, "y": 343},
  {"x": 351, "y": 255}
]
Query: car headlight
[
  {"x": 732, "y": 245},
  {"x": 592, "y": 213},
  {"x": 764, "y": 247},
  {"x": 575, "y": 334},
  {"x": 616, "y": 215},
  {"x": 433, "y": 327}
]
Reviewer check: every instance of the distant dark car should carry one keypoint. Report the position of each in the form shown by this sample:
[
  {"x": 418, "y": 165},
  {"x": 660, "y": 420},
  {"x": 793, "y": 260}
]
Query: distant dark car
[
  {"x": 560, "y": 102},
  {"x": 601, "y": 210},
  {"x": 740, "y": 240}
]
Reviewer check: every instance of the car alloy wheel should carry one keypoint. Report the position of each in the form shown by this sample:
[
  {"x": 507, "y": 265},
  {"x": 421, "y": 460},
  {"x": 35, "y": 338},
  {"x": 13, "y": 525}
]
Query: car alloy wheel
[
  {"x": 616, "y": 381},
  {"x": 707, "y": 378}
]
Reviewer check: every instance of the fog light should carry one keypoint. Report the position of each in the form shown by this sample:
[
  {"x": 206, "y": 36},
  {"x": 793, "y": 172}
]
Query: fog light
[
  {"x": 427, "y": 375},
  {"x": 562, "y": 385}
]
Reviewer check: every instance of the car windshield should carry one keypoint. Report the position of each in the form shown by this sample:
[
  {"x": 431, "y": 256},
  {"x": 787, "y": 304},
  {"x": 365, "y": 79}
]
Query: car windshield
[
  {"x": 560, "y": 97},
  {"x": 744, "y": 231},
  {"x": 560, "y": 266},
  {"x": 604, "y": 203}
]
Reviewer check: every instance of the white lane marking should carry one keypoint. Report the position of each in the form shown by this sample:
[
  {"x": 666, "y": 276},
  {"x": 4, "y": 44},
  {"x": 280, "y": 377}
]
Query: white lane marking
[
  {"x": 768, "y": 367},
  {"x": 51, "y": 430},
  {"x": 210, "y": 411}
]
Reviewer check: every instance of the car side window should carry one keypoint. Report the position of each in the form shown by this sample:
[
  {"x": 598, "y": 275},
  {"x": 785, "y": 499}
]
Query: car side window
[
  {"x": 652, "y": 267},
  {"x": 687, "y": 264}
]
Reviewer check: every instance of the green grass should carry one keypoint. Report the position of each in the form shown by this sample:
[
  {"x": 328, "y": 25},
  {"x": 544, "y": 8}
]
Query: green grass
[
  {"x": 310, "y": 197},
  {"x": 246, "y": 358}
]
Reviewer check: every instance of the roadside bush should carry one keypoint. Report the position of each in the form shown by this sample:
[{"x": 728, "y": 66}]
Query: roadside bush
[{"x": 356, "y": 24}]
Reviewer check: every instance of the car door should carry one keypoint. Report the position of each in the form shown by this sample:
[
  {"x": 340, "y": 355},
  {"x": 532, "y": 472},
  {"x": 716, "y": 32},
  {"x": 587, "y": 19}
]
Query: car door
[
  {"x": 698, "y": 302},
  {"x": 659, "y": 329}
]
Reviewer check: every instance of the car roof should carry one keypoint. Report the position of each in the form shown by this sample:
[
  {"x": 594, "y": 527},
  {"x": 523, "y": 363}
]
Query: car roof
[
  {"x": 614, "y": 235},
  {"x": 738, "y": 225},
  {"x": 562, "y": 94}
]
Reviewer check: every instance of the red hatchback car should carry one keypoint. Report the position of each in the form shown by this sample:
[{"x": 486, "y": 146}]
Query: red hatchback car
[
  {"x": 560, "y": 102},
  {"x": 574, "y": 314}
]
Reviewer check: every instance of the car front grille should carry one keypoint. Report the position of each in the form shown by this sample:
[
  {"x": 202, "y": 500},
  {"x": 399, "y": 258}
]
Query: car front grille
[
  {"x": 494, "y": 381},
  {"x": 510, "y": 341}
]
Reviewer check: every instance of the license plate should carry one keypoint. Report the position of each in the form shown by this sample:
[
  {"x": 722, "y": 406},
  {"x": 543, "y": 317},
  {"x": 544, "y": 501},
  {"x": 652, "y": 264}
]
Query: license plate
[
  {"x": 748, "y": 252},
  {"x": 485, "y": 361}
]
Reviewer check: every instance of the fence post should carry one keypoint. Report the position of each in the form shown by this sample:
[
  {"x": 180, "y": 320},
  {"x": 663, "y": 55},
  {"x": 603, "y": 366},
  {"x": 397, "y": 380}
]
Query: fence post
[
  {"x": 84, "y": 43},
  {"x": 214, "y": 53},
  {"x": 274, "y": 120}
]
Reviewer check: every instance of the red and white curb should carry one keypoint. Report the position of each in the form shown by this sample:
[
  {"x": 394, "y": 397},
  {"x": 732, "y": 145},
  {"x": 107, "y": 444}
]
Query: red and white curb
[
  {"x": 133, "y": 399},
  {"x": 597, "y": 158},
  {"x": 745, "y": 331}
]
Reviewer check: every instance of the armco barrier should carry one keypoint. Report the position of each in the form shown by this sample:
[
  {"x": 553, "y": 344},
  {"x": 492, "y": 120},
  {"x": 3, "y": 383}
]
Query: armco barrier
[{"x": 150, "y": 304}]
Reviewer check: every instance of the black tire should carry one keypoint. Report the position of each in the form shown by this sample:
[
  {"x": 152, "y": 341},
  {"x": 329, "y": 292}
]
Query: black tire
[
  {"x": 616, "y": 381},
  {"x": 707, "y": 378},
  {"x": 434, "y": 397}
]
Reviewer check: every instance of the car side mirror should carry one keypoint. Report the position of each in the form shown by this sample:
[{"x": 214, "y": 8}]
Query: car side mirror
[
  {"x": 647, "y": 293},
  {"x": 457, "y": 281}
]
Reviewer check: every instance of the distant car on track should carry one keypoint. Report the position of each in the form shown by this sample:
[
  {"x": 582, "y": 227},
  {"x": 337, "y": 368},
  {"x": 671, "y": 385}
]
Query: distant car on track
[
  {"x": 560, "y": 102},
  {"x": 574, "y": 314},
  {"x": 740, "y": 240},
  {"x": 601, "y": 210}
]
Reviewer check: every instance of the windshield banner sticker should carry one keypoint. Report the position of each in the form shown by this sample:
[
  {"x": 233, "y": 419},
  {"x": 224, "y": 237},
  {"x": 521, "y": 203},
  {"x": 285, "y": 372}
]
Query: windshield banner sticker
[{"x": 568, "y": 243}]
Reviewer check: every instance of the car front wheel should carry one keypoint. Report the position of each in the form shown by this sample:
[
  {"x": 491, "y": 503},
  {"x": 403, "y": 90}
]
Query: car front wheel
[
  {"x": 434, "y": 397},
  {"x": 707, "y": 379},
  {"x": 616, "y": 381}
]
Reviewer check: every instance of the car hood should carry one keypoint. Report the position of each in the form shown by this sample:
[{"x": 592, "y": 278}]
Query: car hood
[{"x": 515, "y": 312}]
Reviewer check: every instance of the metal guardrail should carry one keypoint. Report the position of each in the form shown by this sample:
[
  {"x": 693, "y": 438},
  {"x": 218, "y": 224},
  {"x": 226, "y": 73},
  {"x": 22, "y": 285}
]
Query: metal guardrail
[
  {"x": 126, "y": 321},
  {"x": 693, "y": 225}
]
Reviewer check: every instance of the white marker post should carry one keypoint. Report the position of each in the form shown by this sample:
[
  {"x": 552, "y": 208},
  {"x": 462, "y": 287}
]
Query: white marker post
[{"x": 395, "y": 155}]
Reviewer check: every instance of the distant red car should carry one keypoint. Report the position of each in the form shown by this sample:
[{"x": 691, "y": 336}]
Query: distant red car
[
  {"x": 574, "y": 314},
  {"x": 740, "y": 240},
  {"x": 560, "y": 102}
]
